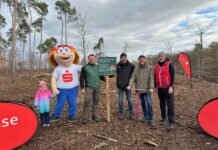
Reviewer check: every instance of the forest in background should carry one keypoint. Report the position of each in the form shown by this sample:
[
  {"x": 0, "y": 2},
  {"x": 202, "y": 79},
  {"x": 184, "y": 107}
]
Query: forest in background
[{"x": 19, "y": 50}]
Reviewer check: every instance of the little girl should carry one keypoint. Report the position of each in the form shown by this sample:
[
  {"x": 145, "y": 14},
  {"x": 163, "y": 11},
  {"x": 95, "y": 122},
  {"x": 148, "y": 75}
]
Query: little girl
[{"x": 41, "y": 101}]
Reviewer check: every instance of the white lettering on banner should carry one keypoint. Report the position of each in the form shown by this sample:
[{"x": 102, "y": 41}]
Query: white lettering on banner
[{"x": 5, "y": 122}]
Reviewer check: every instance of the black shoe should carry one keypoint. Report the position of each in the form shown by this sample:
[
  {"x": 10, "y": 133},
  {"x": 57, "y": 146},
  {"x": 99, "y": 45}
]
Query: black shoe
[
  {"x": 171, "y": 127},
  {"x": 144, "y": 119},
  {"x": 53, "y": 119},
  {"x": 71, "y": 119},
  {"x": 121, "y": 116},
  {"x": 162, "y": 122},
  {"x": 97, "y": 119},
  {"x": 84, "y": 121},
  {"x": 151, "y": 123},
  {"x": 132, "y": 117}
]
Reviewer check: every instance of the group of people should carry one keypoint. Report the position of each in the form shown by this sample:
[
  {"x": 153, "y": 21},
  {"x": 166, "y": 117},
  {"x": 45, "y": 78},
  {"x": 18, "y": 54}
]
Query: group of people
[
  {"x": 147, "y": 78},
  {"x": 65, "y": 83}
]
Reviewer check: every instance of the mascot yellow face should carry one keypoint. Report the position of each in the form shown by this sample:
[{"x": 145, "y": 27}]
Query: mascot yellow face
[{"x": 63, "y": 55}]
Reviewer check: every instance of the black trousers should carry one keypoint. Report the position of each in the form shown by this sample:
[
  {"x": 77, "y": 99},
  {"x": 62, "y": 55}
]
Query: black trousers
[
  {"x": 44, "y": 118},
  {"x": 166, "y": 99}
]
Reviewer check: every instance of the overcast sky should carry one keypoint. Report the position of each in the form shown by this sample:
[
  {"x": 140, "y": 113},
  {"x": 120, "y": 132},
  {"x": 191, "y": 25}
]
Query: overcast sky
[{"x": 145, "y": 25}]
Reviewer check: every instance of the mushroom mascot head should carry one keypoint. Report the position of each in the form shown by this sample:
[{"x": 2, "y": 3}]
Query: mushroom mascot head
[{"x": 65, "y": 79}]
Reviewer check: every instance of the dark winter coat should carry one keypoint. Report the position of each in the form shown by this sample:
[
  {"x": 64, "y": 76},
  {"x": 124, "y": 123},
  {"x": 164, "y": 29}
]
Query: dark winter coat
[{"x": 124, "y": 72}]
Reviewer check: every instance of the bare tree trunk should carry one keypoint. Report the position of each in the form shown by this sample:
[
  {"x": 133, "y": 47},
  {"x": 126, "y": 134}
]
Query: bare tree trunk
[
  {"x": 65, "y": 19},
  {"x": 41, "y": 36},
  {"x": 4, "y": 60},
  {"x": 1, "y": 60},
  {"x": 125, "y": 47},
  {"x": 23, "y": 51},
  {"x": 201, "y": 55},
  {"x": 34, "y": 43},
  {"x": 201, "y": 38},
  {"x": 62, "y": 28},
  {"x": 84, "y": 50},
  {"x": 19, "y": 54},
  {"x": 30, "y": 50},
  {"x": 20, "y": 50},
  {"x": 44, "y": 59},
  {"x": 103, "y": 53},
  {"x": 45, "y": 62},
  {"x": 40, "y": 60},
  {"x": 40, "y": 63},
  {"x": 13, "y": 48},
  {"x": 82, "y": 31},
  {"x": 1, "y": 53}
]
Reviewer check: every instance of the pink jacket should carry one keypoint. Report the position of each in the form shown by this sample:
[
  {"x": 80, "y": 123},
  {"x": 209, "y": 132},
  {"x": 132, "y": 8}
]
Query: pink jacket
[{"x": 42, "y": 95}]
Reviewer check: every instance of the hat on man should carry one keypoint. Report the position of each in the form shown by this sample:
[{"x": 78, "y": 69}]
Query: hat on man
[
  {"x": 162, "y": 53},
  {"x": 123, "y": 54}
]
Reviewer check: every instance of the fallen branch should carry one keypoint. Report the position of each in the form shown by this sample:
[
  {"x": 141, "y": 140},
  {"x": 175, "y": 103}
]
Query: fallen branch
[
  {"x": 128, "y": 144},
  {"x": 163, "y": 141},
  {"x": 53, "y": 143},
  {"x": 150, "y": 143},
  {"x": 105, "y": 138},
  {"x": 79, "y": 132},
  {"x": 41, "y": 75},
  {"x": 110, "y": 139},
  {"x": 100, "y": 145}
]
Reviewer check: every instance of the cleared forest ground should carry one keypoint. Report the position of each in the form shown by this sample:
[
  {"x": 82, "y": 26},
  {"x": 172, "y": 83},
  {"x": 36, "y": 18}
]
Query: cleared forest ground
[{"x": 129, "y": 134}]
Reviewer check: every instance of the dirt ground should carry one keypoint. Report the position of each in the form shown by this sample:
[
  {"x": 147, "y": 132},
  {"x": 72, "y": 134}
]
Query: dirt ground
[{"x": 129, "y": 134}]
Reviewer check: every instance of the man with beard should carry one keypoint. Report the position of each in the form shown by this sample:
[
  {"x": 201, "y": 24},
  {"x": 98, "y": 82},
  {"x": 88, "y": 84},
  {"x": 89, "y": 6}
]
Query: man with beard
[{"x": 143, "y": 77}]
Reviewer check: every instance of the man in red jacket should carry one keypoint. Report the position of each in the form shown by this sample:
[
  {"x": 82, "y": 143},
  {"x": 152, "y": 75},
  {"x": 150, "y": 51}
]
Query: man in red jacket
[{"x": 164, "y": 79}]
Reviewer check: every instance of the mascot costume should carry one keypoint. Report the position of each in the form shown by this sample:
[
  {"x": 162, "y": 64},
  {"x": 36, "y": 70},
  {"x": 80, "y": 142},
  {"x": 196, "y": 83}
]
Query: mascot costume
[{"x": 64, "y": 80}]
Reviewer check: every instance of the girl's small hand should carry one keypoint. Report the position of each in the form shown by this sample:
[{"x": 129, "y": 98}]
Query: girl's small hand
[{"x": 52, "y": 96}]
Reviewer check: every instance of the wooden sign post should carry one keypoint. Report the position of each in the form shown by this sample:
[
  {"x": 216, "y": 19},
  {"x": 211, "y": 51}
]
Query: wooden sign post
[
  {"x": 108, "y": 98},
  {"x": 107, "y": 67}
]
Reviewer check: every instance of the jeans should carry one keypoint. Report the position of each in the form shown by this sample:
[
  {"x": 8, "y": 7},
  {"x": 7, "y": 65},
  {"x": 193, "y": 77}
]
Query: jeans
[
  {"x": 129, "y": 100},
  {"x": 71, "y": 96},
  {"x": 164, "y": 98},
  {"x": 44, "y": 118},
  {"x": 147, "y": 105}
]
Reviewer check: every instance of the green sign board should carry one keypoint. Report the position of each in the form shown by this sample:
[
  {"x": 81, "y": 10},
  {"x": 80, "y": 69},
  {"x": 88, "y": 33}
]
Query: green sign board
[{"x": 107, "y": 66}]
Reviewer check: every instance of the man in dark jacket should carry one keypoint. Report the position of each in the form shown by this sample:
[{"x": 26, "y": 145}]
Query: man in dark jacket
[
  {"x": 124, "y": 72},
  {"x": 164, "y": 76},
  {"x": 90, "y": 86}
]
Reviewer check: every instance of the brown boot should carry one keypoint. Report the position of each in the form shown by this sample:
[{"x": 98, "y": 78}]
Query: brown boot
[
  {"x": 95, "y": 113},
  {"x": 85, "y": 115}
]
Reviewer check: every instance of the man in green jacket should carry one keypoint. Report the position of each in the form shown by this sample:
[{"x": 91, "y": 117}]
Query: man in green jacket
[
  {"x": 143, "y": 77},
  {"x": 90, "y": 86}
]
